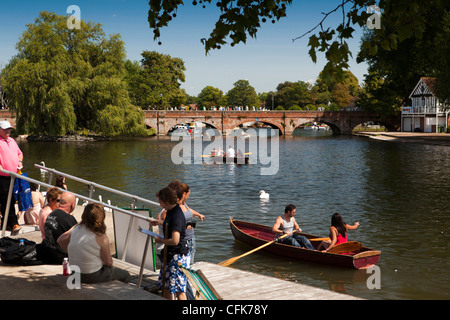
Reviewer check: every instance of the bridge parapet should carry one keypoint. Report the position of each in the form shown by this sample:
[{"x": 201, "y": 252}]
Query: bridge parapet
[
  {"x": 341, "y": 122},
  {"x": 8, "y": 115}
]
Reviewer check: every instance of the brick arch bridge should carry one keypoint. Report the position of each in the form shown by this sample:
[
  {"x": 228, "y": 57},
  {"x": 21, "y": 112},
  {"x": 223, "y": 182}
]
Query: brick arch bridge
[{"x": 341, "y": 122}]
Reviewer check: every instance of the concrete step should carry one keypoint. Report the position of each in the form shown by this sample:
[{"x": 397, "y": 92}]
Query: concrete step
[{"x": 46, "y": 282}]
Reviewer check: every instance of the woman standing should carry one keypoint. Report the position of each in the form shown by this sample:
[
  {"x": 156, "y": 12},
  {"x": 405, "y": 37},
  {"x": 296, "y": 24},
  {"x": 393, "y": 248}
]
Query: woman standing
[
  {"x": 189, "y": 214},
  {"x": 173, "y": 280}
]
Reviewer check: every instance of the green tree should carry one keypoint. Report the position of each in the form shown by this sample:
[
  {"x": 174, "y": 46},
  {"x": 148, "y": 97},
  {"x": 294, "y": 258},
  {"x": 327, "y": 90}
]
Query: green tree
[
  {"x": 237, "y": 20},
  {"x": 293, "y": 94},
  {"x": 157, "y": 83},
  {"x": 210, "y": 97},
  {"x": 394, "y": 69},
  {"x": 341, "y": 94},
  {"x": 377, "y": 97},
  {"x": 61, "y": 80},
  {"x": 241, "y": 18},
  {"x": 242, "y": 94}
]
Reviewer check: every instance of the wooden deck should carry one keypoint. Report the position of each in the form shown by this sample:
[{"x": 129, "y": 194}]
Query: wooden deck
[
  {"x": 229, "y": 282},
  {"x": 235, "y": 284}
]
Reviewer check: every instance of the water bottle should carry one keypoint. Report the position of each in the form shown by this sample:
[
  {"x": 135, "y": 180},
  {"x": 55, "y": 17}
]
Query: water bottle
[
  {"x": 66, "y": 268},
  {"x": 22, "y": 243}
]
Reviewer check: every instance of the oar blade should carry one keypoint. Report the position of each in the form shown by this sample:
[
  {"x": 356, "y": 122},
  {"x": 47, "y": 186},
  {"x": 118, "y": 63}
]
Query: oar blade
[
  {"x": 350, "y": 246},
  {"x": 319, "y": 239},
  {"x": 227, "y": 262}
]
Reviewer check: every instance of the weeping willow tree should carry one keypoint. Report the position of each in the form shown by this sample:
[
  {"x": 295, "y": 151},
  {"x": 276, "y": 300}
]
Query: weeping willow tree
[{"x": 66, "y": 80}]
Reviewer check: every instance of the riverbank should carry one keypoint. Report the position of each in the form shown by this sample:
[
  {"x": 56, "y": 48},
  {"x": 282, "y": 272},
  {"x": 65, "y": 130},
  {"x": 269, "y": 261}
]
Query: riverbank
[
  {"x": 46, "y": 282},
  {"x": 71, "y": 138},
  {"x": 408, "y": 137}
]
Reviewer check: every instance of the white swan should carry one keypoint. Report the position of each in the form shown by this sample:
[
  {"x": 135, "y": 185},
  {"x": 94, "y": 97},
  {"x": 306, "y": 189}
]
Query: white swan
[
  {"x": 42, "y": 170},
  {"x": 263, "y": 195}
]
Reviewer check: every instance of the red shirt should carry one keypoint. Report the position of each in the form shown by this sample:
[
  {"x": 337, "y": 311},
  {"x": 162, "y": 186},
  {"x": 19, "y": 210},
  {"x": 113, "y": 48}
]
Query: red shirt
[{"x": 9, "y": 155}]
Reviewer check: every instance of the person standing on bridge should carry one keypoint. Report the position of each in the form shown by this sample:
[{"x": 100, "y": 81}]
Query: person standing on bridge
[{"x": 11, "y": 158}]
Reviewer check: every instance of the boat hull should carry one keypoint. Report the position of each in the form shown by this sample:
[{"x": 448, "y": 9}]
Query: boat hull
[
  {"x": 256, "y": 235},
  {"x": 225, "y": 159}
]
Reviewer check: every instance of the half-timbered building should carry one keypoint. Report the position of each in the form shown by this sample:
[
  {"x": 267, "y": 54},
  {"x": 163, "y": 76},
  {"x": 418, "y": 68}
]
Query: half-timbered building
[{"x": 426, "y": 113}]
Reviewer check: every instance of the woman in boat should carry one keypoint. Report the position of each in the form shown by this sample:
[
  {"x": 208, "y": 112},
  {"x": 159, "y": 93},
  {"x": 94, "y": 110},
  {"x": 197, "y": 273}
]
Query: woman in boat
[
  {"x": 176, "y": 246},
  {"x": 338, "y": 232}
]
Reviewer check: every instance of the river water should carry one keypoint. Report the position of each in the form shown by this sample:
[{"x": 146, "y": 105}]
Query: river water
[{"x": 398, "y": 192}]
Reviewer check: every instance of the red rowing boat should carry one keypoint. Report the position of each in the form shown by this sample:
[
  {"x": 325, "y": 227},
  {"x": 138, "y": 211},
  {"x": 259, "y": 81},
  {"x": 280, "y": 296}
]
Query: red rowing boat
[{"x": 257, "y": 235}]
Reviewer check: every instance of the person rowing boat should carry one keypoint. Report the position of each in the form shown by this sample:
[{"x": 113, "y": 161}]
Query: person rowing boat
[{"x": 285, "y": 224}]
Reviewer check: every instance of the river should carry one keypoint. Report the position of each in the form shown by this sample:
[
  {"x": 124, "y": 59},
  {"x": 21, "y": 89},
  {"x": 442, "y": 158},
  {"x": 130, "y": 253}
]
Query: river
[{"x": 398, "y": 192}]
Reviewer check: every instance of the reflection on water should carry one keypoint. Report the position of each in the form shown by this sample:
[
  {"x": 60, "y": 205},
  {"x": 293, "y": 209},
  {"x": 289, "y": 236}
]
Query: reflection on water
[{"x": 398, "y": 193}]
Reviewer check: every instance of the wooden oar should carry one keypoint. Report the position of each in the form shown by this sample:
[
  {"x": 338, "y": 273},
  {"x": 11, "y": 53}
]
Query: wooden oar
[
  {"x": 350, "y": 246},
  {"x": 233, "y": 260},
  {"x": 319, "y": 239}
]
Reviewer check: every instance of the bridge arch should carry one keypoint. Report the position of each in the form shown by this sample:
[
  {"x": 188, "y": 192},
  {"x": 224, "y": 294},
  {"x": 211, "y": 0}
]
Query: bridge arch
[
  {"x": 272, "y": 124},
  {"x": 301, "y": 122},
  {"x": 341, "y": 122}
]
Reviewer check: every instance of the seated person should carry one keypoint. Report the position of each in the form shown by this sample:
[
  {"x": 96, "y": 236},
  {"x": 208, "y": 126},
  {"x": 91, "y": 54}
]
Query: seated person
[
  {"x": 53, "y": 197},
  {"x": 338, "y": 232},
  {"x": 58, "y": 222},
  {"x": 88, "y": 247},
  {"x": 286, "y": 223}
]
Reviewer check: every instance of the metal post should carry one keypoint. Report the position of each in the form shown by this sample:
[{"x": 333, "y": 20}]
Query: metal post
[
  {"x": 144, "y": 257},
  {"x": 130, "y": 225},
  {"x": 50, "y": 178},
  {"x": 8, "y": 205},
  {"x": 125, "y": 247}
]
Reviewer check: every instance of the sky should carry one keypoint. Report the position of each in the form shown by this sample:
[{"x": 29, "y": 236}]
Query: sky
[{"x": 268, "y": 60}]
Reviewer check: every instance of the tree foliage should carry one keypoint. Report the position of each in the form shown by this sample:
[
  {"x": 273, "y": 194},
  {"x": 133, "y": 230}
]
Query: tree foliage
[
  {"x": 62, "y": 80},
  {"x": 401, "y": 20},
  {"x": 237, "y": 20},
  {"x": 291, "y": 94},
  {"x": 395, "y": 69},
  {"x": 156, "y": 81},
  {"x": 242, "y": 94},
  {"x": 210, "y": 97}
]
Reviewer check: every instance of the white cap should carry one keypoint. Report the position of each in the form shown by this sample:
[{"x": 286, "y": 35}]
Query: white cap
[{"x": 5, "y": 125}]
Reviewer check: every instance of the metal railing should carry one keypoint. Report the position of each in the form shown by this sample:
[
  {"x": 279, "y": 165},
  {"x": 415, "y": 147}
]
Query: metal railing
[{"x": 92, "y": 186}]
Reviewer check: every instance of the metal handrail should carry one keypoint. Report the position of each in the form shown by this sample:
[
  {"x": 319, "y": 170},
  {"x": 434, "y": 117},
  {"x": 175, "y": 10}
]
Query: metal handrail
[
  {"x": 128, "y": 212},
  {"x": 96, "y": 185}
]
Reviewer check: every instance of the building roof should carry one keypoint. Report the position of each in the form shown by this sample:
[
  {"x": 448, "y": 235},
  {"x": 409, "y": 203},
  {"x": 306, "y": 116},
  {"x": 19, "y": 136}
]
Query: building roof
[{"x": 425, "y": 87}]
